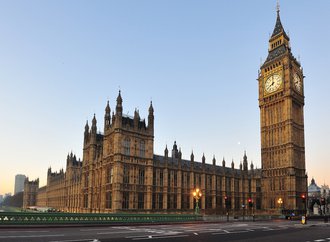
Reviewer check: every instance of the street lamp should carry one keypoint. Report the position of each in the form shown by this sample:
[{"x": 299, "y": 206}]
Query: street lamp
[
  {"x": 197, "y": 195},
  {"x": 280, "y": 203}
]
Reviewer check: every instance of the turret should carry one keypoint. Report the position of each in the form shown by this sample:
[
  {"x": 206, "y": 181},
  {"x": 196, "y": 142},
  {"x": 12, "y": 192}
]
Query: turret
[
  {"x": 180, "y": 158},
  {"x": 203, "y": 159},
  {"x": 107, "y": 117},
  {"x": 214, "y": 161},
  {"x": 245, "y": 162},
  {"x": 166, "y": 152},
  {"x": 223, "y": 162},
  {"x": 93, "y": 130},
  {"x": 151, "y": 118},
  {"x": 119, "y": 106},
  {"x": 252, "y": 166},
  {"x": 67, "y": 160},
  {"x": 86, "y": 133},
  {"x": 232, "y": 164},
  {"x": 192, "y": 157},
  {"x": 175, "y": 150},
  {"x": 136, "y": 119}
]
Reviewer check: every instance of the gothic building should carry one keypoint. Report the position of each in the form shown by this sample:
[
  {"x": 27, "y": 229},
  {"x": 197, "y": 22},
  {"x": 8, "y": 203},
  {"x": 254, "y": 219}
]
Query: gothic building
[
  {"x": 281, "y": 102},
  {"x": 119, "y": 171}
]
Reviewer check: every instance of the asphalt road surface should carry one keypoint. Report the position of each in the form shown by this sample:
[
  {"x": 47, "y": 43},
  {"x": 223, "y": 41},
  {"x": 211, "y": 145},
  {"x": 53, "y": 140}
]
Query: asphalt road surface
[{"x": 280, "y": 231}]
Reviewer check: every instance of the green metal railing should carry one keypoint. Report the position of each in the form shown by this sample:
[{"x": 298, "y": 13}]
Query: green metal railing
[{"x": 23, "y": 218}]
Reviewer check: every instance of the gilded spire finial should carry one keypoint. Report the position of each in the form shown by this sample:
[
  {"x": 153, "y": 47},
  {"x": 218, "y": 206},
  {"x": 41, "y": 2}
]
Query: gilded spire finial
[{"x": 278, "y": 7}]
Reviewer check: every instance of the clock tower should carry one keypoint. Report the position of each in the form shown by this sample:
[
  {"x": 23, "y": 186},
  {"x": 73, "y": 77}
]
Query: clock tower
[{"x": 281, "y": 102}]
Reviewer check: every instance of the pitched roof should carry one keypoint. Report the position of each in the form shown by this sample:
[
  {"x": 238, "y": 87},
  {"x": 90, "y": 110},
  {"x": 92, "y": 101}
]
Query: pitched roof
[{"x": 279, "y": 27}]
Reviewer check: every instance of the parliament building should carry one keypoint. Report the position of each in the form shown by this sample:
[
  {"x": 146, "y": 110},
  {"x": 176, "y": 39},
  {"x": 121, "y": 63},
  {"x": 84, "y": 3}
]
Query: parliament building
[{"x": 119, "y": 171}]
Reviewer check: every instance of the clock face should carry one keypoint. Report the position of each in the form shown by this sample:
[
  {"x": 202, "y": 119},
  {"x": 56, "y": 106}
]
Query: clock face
[
  {"x": 273, "y": 83},
  {"x": 297, "y": 82}
]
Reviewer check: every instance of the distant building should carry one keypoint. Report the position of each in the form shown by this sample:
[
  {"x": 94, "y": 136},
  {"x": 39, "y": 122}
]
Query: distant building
[
  {"x": 30, "y": 192},
  {"x": 7, "y": 195},
  {"x": 314, "y": 191},
  {"x": 1, "y": 198},
  {"x": 19, "y": 183}
]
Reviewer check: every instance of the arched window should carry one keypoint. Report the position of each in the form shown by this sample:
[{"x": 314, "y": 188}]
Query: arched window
[
  {"x": 142, "y": 148},
  {"x": 127, "y": 146}
]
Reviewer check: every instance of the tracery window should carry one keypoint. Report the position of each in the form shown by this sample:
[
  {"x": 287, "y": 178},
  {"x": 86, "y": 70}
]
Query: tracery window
[{"x": 127, "y": 146}]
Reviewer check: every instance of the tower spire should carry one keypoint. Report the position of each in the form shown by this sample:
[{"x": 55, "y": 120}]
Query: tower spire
[{"x": 278, "y": 7}]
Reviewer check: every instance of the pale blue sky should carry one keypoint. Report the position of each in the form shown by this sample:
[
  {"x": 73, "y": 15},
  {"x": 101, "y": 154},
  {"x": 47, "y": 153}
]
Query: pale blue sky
[{"x": 60, "y": 61}]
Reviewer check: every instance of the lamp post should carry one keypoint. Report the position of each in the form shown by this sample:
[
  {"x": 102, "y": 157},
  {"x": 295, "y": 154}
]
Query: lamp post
[
  {"x": 280, "y": 203},
  {"x": 197, "y": 195}
]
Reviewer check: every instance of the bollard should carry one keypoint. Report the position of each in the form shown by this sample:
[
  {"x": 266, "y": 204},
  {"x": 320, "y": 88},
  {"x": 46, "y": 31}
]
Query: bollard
[{"x": 303, "y": 220}]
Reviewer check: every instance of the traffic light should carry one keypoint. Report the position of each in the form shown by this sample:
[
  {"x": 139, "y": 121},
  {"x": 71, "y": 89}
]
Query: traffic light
[
  {"x": 250, "y": 202},
  {"x": 303, "y": 198},
  {"x": 227, "y": 202}
]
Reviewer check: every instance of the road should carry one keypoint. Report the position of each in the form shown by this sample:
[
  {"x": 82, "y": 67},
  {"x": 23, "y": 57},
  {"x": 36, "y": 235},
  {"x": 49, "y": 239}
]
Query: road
[{"x": 200, "y": 232}]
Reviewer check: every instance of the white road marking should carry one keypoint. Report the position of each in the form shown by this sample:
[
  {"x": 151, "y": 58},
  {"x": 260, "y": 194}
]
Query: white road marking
[
  {"x": 117, "y": 232},
  {"x": 267, "y": 229},
  {"x": 153, "y": 235},
  {"x": 319, "y": 240},
  {"x": 162, "y": 237},
  {"x": 195, "y": 234},
  {"x": 85, "y": 230}
]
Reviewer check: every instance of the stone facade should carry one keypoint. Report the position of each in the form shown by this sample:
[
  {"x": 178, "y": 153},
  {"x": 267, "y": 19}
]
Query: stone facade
[{"x": 121, "y": 173}]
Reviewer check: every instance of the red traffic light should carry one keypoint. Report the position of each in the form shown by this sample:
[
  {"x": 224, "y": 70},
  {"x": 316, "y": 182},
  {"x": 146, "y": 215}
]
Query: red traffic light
[
  {"x": 249, "y": 200},
  {"x": 303, "y": 196},
  {"x": 226, "y": 197}
]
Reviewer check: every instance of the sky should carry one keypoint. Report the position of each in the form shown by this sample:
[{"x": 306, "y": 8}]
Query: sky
[{"x": 197, "y": 60}]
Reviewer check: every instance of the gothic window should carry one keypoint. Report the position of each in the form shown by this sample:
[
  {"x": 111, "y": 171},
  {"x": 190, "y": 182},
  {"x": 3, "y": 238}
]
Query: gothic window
[
  {"x": 161, "y": 177},
  {"x": 86, "y": 179},
  {"x": 142, "y": 148},
  {"x": 175, "y": 179},
  {"x": 219, "y": 188},
  {"x": 127, "y": 146},
  {"x": 236, "y": 185},
  {"x": 160, "y": 201},
  {"x": 209, "y": 182},
  {"x": 228, "y": 184},
  {"x": 126, "y": 174},
  {"x": 154, "y": 178},
  {"x": 140, "y": 200},
  {"x": 208, "y": 202},
  {"x": 141, "y": 176},
  {"x": 86, "y": 200},
  {"x": 175, "y": 201},
  {"x": 125, "y": 203},
  {"x": 110, "y": 174},
  {"x": 154, "y": 201},
  {"x": 108, "y": 201}
]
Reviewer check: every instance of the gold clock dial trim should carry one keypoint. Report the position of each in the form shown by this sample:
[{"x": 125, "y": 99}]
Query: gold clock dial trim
[
  {"x": 297, "y": 82},
  {"x": 273, "y": 83}
]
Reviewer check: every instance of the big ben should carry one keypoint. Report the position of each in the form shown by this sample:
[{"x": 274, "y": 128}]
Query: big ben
[{"x": 281, "y": 102}]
